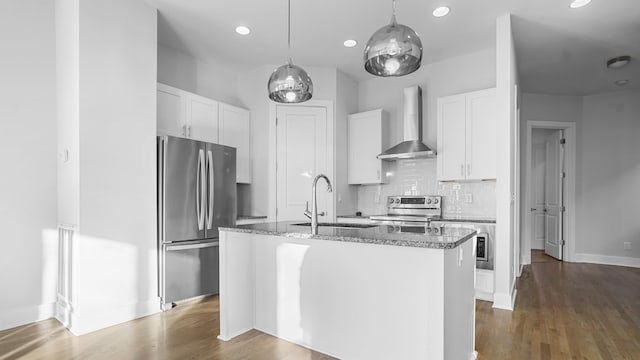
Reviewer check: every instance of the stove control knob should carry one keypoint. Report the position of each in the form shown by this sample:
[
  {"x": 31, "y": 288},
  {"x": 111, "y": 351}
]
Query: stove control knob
[
  {"x": 435, "y": 201},
  {"x": 397, "y": 201},
  {"x": 428, "y": 201},
  {"x": 390, "y": 200}
]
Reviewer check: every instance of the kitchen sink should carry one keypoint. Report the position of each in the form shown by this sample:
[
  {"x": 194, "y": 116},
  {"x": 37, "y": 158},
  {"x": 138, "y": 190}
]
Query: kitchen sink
[{"x": 339, "y": 225}]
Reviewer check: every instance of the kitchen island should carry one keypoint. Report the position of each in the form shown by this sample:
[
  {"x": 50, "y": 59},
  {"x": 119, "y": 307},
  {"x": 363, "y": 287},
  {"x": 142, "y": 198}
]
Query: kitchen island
[{"x": 379, "y": 292}]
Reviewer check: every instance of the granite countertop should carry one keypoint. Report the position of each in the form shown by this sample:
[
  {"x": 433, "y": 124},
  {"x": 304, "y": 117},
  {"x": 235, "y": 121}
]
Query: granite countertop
[
  {"x": 249, "y": 217},
  {"x": 439, "y": 238}
]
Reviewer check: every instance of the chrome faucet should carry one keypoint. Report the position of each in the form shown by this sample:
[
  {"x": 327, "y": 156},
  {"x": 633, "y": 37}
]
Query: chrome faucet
[{"x": 313, "y": 214}]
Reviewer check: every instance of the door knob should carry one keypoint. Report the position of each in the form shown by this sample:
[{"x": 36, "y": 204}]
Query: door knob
[{"x": 533, "y": 209}]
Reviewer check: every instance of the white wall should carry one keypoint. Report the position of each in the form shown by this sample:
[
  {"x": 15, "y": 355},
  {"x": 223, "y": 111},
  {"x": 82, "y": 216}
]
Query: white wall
[
  {"x": 346, "y": 103},
  {"x": 28, "y": 158},
  {"x": 115, "y": 269},
  {"x": 506, "y": 244},
  {"x": 542, "y": 107},
  {"x": 608, "y": 183},
  {"x": 214, "y": 78}
]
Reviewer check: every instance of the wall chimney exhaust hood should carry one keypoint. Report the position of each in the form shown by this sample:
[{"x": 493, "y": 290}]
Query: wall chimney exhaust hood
[{"x": 412, "y": 147}]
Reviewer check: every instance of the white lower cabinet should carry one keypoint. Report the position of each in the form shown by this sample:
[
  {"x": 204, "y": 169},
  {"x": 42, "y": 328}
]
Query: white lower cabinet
[
  {"x": 467, "y": 136},
  {"x": 484, "y": 284},
  {"x": 235, "y": 131},
  {"x": 367, "y": 138}
]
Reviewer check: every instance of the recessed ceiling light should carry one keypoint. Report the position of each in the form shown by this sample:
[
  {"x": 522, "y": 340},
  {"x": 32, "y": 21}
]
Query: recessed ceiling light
[
  {"x": 243, "y": 30},
  {"x": 441, "y": 11},
  {"x": 618, "y": 61},
  {"x": 350, "y": 43},
  {"x": 579, "y": 3},
  {"x": 621, "y": 82}
]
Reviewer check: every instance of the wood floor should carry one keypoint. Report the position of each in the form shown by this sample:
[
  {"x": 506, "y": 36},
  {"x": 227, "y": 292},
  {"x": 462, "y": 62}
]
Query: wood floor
[{"x": 563, "y": 311}]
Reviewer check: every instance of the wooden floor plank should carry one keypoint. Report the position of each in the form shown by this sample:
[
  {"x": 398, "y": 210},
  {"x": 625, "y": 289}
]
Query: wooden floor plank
[{"x": 563, "y": 311}]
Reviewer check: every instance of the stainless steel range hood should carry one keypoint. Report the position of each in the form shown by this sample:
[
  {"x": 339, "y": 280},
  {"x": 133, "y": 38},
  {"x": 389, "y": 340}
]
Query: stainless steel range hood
[{"x": 412, "y": 147}]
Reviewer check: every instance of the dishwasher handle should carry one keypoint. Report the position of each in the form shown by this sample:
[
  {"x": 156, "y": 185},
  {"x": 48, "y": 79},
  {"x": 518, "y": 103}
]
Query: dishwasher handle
[{"x": 192, "y": 246}]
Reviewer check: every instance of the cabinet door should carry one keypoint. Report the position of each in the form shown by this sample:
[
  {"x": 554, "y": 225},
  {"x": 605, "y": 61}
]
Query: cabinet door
[
  {"x": 481, "y": 135},
  {"x": 202, "y": 115},
  {"x": 171, "y": 107},
  {"x": 451, "y": 138},
  {"x": 366, "y": 134},
  {"x": 235, "y": 130}
]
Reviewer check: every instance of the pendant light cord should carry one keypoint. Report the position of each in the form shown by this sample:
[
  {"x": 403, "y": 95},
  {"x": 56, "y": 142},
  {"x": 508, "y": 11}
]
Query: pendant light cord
[
  {"x": 289, "y": 31},
  {"x": 393, "y": 12},
  {"x": 289, "y": 27}
]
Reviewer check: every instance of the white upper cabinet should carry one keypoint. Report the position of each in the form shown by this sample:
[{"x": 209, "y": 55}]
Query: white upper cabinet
[
  {"x": 467, "y": 136},
  {"x": 367, "y": 138},
  {"x": 202, "y": 116},
  {"x": 172, "y": 111},
  {"x": 451, "y": 138},
  {"x": 181, "y": 113},
  {"x": 235, "y": 131}
]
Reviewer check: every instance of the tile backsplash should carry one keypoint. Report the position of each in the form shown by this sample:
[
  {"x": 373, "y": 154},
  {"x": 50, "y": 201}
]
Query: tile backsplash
[{"x": 418, "y": 177}]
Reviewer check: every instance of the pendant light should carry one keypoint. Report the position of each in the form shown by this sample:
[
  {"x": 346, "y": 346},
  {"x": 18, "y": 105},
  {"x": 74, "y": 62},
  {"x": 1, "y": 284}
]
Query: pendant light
[
  {"x": 290, "y": 83},
  {"x": 393, "y": 50}
]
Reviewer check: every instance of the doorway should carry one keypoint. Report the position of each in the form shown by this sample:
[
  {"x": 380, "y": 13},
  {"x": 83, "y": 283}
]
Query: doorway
[
  {"x": 302, "y": 135},
  {"x": 549, "y": 209}
]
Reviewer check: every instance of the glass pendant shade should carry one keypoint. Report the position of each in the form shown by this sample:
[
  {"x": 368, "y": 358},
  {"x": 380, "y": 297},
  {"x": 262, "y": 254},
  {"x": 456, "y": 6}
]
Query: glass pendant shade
[
  {"x": 290, "y": 84},
  {"x": 393, "y": 50}
]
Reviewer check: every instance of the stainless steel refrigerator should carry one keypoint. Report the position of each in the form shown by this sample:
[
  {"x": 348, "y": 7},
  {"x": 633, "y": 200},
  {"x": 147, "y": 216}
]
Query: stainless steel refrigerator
[{"x": 196, "y": 195}]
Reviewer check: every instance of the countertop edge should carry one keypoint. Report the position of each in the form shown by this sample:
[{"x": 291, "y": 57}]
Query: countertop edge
[
  {"x": 361, "y": 240},
  {"x": 448, "y": 220}
]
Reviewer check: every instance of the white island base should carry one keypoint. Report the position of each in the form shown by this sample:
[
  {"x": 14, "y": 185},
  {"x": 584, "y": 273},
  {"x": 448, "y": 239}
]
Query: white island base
[{"x": 349, "y": 300}]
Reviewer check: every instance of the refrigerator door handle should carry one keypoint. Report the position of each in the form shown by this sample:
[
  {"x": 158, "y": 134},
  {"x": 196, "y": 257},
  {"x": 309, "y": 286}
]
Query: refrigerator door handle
[
  {"x": 211, "y": 190},
  {"x": 199, "y": 188},
  {"x": 192, "y": 246}
]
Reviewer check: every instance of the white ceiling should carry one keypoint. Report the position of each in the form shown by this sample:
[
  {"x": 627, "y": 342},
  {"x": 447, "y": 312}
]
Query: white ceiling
[{"x": 559, "y": 50}]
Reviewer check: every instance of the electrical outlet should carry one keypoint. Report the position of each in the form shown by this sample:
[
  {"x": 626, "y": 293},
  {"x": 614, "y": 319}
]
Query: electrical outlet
[
  {"x": 468, "y": 197},
  {"x": 627, "y": 245}
]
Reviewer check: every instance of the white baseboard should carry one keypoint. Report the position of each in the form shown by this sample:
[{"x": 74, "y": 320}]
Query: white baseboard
[
  {"x": 505, "y": 301},
  {"x": 12, "y": 317},
  {"x": 607, "y": 260},
  {"x": 100, "y": 317},
  {"x": 520, "y": 270},
  {"x": 484, "y": 296}
]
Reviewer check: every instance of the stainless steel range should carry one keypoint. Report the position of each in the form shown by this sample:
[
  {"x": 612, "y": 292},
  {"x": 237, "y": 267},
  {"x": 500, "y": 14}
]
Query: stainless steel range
[
  {"x": 423, "y": 214},
  {"x": 410, "y": 210}
]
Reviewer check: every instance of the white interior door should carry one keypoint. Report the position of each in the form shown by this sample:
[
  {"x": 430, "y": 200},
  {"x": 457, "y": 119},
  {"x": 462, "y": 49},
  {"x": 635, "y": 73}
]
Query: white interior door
[
  {"x": 553, "y": 195},
  {"x": 301, "y": 155},
  {"x": 538, "y": 196}
]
